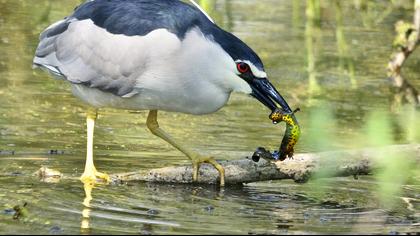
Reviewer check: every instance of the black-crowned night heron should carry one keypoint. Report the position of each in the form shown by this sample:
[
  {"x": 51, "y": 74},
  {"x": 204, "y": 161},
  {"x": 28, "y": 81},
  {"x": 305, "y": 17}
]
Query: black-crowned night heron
[{"x": 151, "y": 55}]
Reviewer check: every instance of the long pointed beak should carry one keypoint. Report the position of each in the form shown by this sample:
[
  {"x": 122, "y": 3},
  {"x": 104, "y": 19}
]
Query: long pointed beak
[{"x": 268, "y": 95}]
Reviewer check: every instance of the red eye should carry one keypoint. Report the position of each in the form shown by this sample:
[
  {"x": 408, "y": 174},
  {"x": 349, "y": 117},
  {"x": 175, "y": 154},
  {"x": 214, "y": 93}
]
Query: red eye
[{"x": 242, "y": 67}]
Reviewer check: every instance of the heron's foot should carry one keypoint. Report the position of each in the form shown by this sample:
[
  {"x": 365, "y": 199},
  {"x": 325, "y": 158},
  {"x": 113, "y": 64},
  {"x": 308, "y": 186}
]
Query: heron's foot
[
  {"x": 93, "y": 176},
  {"x": 197, "y": 160}
]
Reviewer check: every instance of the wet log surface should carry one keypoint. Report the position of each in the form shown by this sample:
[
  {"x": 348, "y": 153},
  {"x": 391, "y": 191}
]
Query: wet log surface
[{"x": 300, "y": 169}]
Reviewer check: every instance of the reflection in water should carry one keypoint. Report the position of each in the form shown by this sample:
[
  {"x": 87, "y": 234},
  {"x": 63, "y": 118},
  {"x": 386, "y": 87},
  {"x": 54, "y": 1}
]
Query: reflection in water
[
  {"x": 264, "y": 208},
  {"x": 220, "y": 11},
  {"x": 229, "y": 16},
  {"x": 373, "y": 13},
  {"x": 346, "y": 61},
  {"x": 84, "y": 227},
  {"x": 313, "y": 38},
  {"x": 296, "y": 14}
]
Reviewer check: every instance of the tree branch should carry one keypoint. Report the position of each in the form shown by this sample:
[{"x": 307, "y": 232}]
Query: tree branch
[
  {"x": 408, "y": 37},
  {"x": 300, "y": 169}
]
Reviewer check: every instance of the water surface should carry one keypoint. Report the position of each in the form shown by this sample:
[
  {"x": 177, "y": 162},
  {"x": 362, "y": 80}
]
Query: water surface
[{"x": 337, "y": 62}]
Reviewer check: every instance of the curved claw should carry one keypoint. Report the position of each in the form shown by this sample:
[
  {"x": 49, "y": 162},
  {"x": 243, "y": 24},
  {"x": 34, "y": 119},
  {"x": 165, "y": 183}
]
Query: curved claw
[
  {"x": 220, "y": 169},
  {"x": 196, "y": 159},
  {"x": 210, "y": 160}
]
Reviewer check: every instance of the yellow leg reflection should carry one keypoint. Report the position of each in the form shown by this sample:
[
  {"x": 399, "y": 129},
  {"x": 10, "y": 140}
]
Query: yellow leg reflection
[{"x": 84, "y": 227}]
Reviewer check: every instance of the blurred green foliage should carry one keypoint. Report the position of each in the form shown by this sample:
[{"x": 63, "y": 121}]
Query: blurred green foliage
[{"x": 396, "y": 169}]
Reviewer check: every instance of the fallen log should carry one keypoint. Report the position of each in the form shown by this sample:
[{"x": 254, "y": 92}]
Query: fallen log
[{"x": 300, "y": 169}]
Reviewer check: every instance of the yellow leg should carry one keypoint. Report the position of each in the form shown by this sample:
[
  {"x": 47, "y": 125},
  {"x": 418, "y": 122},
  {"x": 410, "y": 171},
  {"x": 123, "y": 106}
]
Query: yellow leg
[
  {"x": 196, "y": 158},
  {"x": 91, "y": 173}
]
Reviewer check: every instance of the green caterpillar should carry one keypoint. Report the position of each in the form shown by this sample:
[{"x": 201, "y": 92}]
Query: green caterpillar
[{"x": 291, "y": 135}]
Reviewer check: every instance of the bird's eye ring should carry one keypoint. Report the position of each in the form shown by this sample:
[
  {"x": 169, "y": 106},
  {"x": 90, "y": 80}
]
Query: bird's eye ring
[{"x": 242, "y": 67}]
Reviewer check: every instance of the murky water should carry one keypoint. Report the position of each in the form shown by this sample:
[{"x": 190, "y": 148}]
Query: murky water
[{"x": 338, "y": 63}]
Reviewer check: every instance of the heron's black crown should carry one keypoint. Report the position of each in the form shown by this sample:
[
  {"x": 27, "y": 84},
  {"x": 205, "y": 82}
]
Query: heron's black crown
[{"x": 140, "y": 17}]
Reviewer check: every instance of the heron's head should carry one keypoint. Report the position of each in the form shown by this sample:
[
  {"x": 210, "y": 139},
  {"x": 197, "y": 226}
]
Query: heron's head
[{"x": 249, "y": 68}]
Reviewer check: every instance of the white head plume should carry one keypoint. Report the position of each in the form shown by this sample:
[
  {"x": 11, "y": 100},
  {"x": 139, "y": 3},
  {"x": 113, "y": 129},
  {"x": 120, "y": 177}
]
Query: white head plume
[{"x": 202, "y": 10}]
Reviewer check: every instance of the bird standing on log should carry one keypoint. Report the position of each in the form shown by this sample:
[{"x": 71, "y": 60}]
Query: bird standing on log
[{"x": 151, "y": 55}]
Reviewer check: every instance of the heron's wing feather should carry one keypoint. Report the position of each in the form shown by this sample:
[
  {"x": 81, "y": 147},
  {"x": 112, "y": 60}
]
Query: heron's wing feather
[
  {"x": 109, "y": 44},
  {"x": 83, "y": 55}
]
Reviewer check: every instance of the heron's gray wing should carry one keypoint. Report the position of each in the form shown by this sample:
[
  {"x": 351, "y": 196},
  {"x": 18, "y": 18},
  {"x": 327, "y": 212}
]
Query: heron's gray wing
[
  {"x": 109, "y": 44},
  {"x": 87, "y": 54}
]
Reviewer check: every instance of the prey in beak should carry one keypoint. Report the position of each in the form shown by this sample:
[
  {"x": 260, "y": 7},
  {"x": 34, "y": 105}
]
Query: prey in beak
[{"x": 268, "y": 95}]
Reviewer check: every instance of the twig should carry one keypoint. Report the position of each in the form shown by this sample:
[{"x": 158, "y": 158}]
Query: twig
[{"x": 406, "y": 41}]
